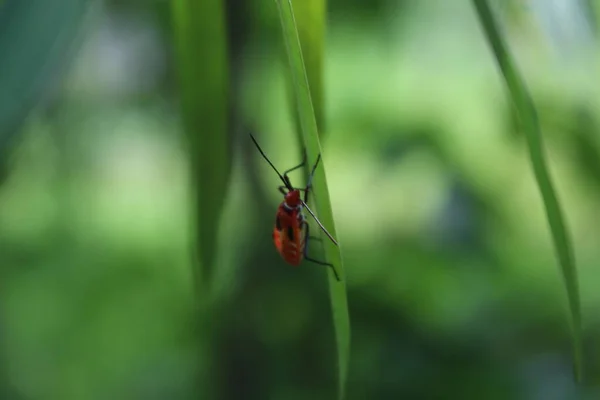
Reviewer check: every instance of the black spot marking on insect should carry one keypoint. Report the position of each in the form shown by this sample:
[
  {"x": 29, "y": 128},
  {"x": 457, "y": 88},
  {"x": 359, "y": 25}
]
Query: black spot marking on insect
[
  {"x": 278, "y": 223},
  {"x": 290, "y": 233}
]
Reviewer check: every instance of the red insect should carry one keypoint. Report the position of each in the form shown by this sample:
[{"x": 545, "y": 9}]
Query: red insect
[{"x": 291, "y": 231}]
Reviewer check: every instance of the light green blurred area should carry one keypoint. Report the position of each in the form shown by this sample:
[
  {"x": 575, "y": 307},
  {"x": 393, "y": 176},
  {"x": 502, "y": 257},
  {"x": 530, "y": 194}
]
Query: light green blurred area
[{"x": 454, "y": 289}]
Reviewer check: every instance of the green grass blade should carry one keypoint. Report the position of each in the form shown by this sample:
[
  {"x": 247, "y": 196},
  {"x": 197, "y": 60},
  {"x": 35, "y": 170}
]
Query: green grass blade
[
  {"x": 203, "y": 72},
  {"x": 308, "y": 124},
  {"x": 531, "y": 129},
  {"x": 310, "y": 21},
  {"x": 37, "y": 39}
]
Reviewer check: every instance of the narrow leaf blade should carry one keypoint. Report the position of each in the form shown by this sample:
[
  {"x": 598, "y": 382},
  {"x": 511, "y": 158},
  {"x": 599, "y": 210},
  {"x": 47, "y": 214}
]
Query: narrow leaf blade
[
  {"x": 531, "y": 129},
  {"x": 203, "y": 72}
]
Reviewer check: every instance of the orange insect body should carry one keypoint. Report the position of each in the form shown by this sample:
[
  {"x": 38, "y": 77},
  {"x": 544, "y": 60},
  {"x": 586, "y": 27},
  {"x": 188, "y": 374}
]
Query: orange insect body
[{"x": 291, "y": 231}]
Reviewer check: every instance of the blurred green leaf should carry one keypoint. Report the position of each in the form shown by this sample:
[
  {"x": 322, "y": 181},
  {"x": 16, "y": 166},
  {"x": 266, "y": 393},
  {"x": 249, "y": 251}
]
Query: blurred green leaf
[
  {"x": 308, "y": 123},
  {"x": 203, "y": 67},
  {"x": 35, "y": 41},
  {"x": 531, "y": 128}
]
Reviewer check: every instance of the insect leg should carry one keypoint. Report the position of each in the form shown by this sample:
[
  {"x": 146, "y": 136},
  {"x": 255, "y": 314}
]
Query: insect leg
[
  {"x": 310, "y": 178},
  {"x": 306, "y": 257},
  {"x": 312, "y": 173},
  {"x": 325, "y": 264},
  {"x": 285, "y": 173},
  {"x": 306, "y": 190}
]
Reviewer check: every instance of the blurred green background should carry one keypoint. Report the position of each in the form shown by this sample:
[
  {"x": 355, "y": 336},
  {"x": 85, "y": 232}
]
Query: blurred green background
[{"x": 453, "y": 287}]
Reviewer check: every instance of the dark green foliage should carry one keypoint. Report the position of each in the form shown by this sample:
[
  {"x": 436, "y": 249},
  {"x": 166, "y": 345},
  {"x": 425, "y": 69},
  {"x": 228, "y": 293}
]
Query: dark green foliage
[{"x": 36, "y": 44}]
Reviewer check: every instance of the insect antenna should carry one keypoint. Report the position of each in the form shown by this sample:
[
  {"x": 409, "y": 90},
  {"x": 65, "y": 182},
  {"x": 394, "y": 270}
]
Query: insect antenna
[
  {"x": 285, "y": 181},
  {"x": 319, "y": 222}
]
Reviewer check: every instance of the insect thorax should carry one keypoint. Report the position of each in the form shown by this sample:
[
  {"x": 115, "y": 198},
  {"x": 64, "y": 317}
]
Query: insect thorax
[{"x": 289, "y": 209}]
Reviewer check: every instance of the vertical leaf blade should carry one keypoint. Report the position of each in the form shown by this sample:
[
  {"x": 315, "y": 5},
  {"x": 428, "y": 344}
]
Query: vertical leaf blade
[
  {"x": 308, "y": 125},
  {"x": 310, "y": 22},
  {"x": 203, "y": 72},
  {"x": 531, "y": 129}
]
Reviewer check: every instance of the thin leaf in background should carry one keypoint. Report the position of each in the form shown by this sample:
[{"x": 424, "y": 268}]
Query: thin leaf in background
[
  {"x": 36, "y": 38},
  {"x": 202, "y": 62},
  {"x": 308, "y": 123},
  {"x": 203, "y": 70},
  {"x": 531, "y": 129}
]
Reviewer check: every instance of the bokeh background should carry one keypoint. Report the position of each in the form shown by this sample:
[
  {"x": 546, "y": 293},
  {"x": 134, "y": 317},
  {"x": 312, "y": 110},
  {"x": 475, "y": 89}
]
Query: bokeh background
[{"x": 453, "y": 287}]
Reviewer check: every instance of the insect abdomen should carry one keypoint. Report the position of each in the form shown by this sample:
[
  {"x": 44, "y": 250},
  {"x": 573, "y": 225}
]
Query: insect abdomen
[{"x": 288, "y": 237}]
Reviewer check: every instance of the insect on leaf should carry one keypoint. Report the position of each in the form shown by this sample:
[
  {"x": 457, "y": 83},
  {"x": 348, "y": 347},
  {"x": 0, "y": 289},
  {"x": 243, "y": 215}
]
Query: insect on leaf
[{"x": 310, "y": 136}]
